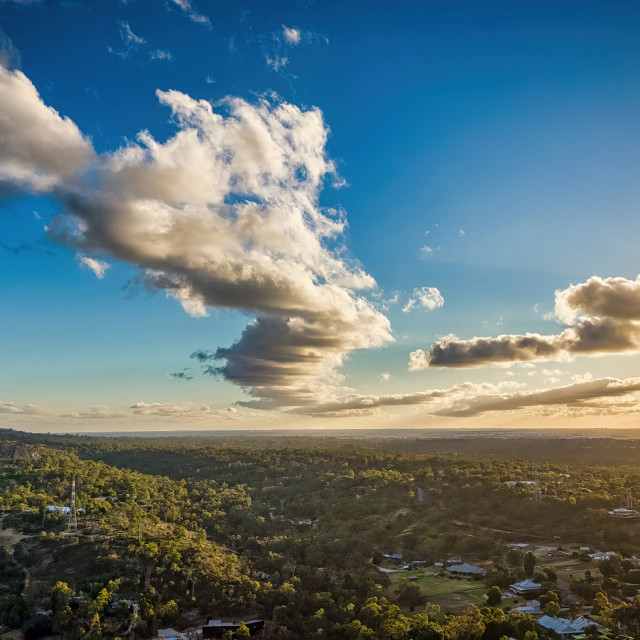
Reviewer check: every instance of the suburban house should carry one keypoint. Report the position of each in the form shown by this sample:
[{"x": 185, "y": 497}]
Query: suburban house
[
  {"x": 521, "y": 546},
  {"x": 623, "y": 512},
  {"x": 526, "y": 588},
  {"x": 566, "y": 629},
  {"x": 599, "y": 556},
  {"x": 217, "y": 628},
  {"x": 467, "y": 570},
  {"x": 532, "y": 608}
]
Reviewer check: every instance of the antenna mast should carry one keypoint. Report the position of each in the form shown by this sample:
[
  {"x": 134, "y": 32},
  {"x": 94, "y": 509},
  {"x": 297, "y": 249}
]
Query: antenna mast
[
  {"x": 537, "y": 493},
  {"x": 73, "y": 517}
]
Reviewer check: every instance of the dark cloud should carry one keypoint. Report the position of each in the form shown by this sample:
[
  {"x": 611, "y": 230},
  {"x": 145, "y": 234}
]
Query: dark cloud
[
  {"x": 180, "y": 375},
  {"x": 576, "y": 395},
  {"x": 603, "y": 316}
]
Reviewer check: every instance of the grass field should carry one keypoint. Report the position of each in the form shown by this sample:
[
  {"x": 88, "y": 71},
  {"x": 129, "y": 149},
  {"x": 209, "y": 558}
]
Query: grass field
[
  {"x": 449, "y": 593},
  {"x": 570, "y": 567}
]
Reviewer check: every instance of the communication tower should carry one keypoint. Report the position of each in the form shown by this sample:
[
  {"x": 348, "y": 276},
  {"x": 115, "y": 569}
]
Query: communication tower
[
  {"x": 537, "y": 493},
  {"x": 73, "y": 516}
]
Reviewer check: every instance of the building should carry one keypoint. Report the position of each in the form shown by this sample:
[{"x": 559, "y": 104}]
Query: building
[
  {"x": 521, "y": 546},
  {"x": 599, "y": 556},
  {"x": 217, "y": 628},
  {"x": 467, "y": 570},
  {"x": 566, "y": 629},
  {"x": 63, "y": 510},
  {"x": 532, "y": 608},
  {"x": 623, "y": 512},
  {"x": 526, "y": 589}
]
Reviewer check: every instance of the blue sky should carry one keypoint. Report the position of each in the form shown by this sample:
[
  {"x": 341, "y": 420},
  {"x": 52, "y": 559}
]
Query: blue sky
[{"x": 376, "y": 208}]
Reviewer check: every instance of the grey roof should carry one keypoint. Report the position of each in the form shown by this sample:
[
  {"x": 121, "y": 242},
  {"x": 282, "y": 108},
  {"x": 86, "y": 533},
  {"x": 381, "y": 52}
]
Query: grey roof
[
  {"x": 562, "y": 626},
  {"x": 526, "y": 585},
  {"x": 466, "y": 568}
]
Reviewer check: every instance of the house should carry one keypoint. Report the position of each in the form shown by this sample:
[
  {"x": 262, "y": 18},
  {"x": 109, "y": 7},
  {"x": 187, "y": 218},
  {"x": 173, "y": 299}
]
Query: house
[
  {"x": 526, "y": 588},
  {"x": 134, "y": 607},
  {"x": 521, "y": 546},
  {"x": 599, "y": 556},
  {"x": 532, "y": 608},
  {"x": 63, "y": 510},
  {"x": 392, "y": 556},
  {"x": 171, "y": 634},
  {"x": 467, "y": 570},
  {"x": 623, "y": 512},
  {"x": 217, "y": 628},
  {"x": 566, "y": 629}
]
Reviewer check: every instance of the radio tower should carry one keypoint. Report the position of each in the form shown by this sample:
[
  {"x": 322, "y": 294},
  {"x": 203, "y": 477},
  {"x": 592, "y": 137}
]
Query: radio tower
[
  {"x": 537, "y": 494},
  {"x": 73, "y": 518}
]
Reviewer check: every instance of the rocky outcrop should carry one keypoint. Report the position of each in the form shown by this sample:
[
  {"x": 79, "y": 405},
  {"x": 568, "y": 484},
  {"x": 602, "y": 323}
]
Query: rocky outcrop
[{"x": 14, "y": 450}]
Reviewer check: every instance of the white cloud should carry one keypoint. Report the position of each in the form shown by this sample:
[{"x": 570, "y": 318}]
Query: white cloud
[
  {"x": 418, "y": 360},
  {"x": 13, "y": 408},
  {"x": 277, "y": 45},
  {"x": 277, "y": 62},
  {"x": 97, "y": 413},
  {"x": 385, "y": 376},
  {"x": 133, "y": 43},
  {"x": 40, "y": 149},
  {"x": 425, "y": 251},
  {"x": 169, "y": 410},
  {"x": 191, "y": 13},
  {"x": 223, "y": 214},
  {"x": 291, "y": 35},
  {"x": 461, "y": 232},
  {"x": 428, "y": 298},
  {"x": 363, "y": 405},
  {"x": 99, "y": 267}
]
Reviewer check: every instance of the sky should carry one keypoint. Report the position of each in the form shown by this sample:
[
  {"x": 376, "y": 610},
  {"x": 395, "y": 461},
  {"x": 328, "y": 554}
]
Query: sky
[{"x": 266, "y": 215}]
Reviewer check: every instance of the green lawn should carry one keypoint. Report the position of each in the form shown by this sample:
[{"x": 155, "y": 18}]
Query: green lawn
[
  {"x": 570, "y": 567},
  {"x": 449, "y": 593}
]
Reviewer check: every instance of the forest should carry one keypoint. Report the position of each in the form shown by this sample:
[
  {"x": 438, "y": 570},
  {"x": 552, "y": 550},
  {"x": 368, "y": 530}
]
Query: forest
[{"x": 319, "y": 537}]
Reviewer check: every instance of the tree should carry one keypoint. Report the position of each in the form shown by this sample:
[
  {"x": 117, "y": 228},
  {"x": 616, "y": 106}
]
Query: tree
[
  {"x": 424, "y": 629},
  {"x": 494, "y": 596},
  {"x": 243, "y": 632},
  {"x": 602, "y": 611},
  {"x": 552, "y": 609},
  {"x": 529, "y": 563},
  {"x": 469, "y": 625},
  {"x": 36, "y": 627},
  {"x": 169, "y": 612},
  {"x": 409, "y": 595},
  {"x": 61, "y": 594}
]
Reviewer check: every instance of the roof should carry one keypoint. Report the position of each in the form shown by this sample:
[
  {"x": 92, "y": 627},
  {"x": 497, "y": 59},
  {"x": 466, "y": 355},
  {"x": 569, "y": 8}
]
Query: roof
[
  {"x": 562, "y": 626},
  {"x": 219, "y": 623},
  {"x": 466, "y": 568},
  {"x": 526, "y": 585},
  {"x": 53, "y": 507}
]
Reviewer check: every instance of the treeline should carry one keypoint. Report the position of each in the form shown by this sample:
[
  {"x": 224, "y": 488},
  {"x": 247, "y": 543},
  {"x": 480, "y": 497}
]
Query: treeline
[{"x": 186, "y": 531}]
